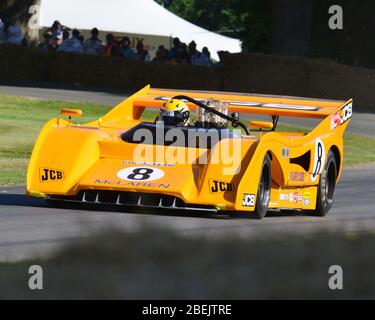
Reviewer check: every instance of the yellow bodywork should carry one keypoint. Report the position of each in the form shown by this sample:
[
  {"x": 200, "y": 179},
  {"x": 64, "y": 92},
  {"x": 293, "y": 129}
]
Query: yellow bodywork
[{"x": 68, "y": 158}]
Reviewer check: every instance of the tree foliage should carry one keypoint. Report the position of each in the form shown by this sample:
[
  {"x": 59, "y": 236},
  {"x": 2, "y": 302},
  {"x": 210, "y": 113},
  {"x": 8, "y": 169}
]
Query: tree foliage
[{"x": 250, "y": 20}]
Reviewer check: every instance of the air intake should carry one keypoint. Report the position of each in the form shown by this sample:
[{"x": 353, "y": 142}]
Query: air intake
[{"x": 131, "y": 199}]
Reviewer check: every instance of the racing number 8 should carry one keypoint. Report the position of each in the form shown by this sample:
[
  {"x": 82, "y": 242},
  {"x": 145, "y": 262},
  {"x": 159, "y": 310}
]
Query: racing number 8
[
  {"x": 141, "y": 174},
  {"x": 318, "y": 166},
  {"x": 319, "y": 159}
]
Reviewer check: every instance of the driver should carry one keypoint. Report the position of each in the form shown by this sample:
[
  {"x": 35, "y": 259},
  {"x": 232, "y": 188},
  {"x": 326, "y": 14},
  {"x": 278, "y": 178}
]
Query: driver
[{"x": 174, "y": 113}]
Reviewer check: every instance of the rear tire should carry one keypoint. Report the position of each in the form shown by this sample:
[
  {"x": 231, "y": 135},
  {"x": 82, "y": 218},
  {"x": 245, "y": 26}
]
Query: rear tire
[
  {"x": 264, "y": 189},
  {"x": 327, "y": 187}
]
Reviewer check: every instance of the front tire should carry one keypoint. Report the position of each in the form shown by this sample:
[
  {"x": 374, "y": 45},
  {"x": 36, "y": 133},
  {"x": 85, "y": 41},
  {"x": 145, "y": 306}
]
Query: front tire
[
  {"x": 327, "y": 187},
  {"x": 264, "y": 189}
]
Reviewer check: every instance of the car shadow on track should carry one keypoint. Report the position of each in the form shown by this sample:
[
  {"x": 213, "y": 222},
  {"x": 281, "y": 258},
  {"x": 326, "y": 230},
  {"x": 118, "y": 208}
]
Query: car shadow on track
[{"x": 22, "y": 200}]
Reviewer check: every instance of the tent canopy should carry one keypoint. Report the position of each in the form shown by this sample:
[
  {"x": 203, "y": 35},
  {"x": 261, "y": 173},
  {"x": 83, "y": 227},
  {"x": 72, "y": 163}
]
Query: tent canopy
[{"x": 144, "y": 17}]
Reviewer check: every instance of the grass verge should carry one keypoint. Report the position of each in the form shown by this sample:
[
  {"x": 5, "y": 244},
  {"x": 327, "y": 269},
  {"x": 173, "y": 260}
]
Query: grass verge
[{"x": 22, "y": 118}]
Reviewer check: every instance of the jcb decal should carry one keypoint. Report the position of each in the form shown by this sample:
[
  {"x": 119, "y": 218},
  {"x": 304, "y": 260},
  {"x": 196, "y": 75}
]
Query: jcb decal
[
  {"x": 47, "y": 175},
  {"x": 220, "y": 186},
  {"x": 248, "y": 200},
  {"x": 342, "y": 116}
]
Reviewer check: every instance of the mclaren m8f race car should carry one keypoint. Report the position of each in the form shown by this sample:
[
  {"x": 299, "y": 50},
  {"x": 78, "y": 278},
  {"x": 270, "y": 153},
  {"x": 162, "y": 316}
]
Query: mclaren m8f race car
[{"x": 209, "y": 160}]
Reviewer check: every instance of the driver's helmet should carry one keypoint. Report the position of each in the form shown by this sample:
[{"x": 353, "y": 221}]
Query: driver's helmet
[{"x": 175, "y": 113}]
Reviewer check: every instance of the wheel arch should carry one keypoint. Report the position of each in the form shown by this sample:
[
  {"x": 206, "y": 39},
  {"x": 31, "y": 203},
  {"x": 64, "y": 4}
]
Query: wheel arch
[{"x": 337, "y": 154}]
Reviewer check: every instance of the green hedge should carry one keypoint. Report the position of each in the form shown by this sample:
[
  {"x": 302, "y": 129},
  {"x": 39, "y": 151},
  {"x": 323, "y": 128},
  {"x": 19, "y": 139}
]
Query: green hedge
[{"x": 256, "y": 73}]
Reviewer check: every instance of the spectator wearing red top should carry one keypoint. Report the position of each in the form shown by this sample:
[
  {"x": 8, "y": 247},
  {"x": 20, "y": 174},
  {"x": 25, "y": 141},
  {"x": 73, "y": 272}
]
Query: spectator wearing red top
[{"x": 111, "y": 49}]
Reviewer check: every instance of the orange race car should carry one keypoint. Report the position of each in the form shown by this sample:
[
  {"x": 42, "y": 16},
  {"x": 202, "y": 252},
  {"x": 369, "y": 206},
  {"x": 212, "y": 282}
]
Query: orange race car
[{"x": 195, "y": 155}]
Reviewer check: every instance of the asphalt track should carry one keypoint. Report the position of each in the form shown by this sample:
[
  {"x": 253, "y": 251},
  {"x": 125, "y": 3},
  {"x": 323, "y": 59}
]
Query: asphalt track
[{"x": 29, "y": 227}]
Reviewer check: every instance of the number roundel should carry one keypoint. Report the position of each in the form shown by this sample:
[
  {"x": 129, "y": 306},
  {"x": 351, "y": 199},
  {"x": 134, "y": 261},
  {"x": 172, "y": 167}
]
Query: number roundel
[
  {"x": 319, "y": 159},
  {"x": 140, "y": 174}
]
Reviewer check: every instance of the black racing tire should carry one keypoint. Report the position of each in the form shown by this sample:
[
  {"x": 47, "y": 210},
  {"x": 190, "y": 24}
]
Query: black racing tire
[
  {"x": 327, "y": 187},
  {"x": 264, "y": 189}
]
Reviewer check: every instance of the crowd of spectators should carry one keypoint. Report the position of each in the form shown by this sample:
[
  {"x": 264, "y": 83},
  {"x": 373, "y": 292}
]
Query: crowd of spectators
[{"x": 59, "y": 38}]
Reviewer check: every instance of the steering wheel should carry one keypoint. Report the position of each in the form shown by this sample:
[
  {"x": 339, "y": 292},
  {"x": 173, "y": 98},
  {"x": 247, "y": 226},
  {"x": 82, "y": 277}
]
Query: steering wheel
[{"x": 233, "y": 120}]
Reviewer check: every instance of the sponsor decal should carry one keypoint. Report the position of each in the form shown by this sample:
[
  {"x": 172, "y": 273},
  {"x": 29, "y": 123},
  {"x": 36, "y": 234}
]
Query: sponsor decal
[
  {"x": 133, "y": 184},
  {"x": 319, "y": 159},
  {"x": 307, "y": 199},
  {"x": 48, "y": 175},
  {"x": 217, "y": 186},
  {"x": 291, "y": 197},
  {"x": 141, "y": 174},
  {"x": 284, "y": 197},
  {"x": 297, "y": 176},
  {"x": 342, "y": 116},
  {"x": 336, "y": 120},
  {"x": 149, "y": 164},
  {"x": 248, "y": 200},
  {"x": 296, "y": 197}
]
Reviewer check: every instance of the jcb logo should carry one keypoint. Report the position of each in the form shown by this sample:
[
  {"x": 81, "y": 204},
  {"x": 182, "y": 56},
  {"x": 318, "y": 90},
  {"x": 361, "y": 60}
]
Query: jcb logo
[
  {"x": 220, "y": 186},
  {"x": 248, "y": 200},
  {"x": 346, "y": 113},
  {"x": 51, "y": 175}
]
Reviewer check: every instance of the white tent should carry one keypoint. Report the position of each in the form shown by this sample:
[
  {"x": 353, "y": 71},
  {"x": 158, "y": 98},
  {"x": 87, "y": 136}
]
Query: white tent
[{"x": 144, "y": 17}]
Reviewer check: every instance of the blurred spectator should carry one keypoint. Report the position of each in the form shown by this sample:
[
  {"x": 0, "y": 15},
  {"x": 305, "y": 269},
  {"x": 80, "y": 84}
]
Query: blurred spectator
[
  {"x": 57, "y": 31},
  {"x": 199, "y": 59},
  {"x": 196, "y": 57},
  {"x": 174, "y": 50},
  {"x": 47, "y": 46},
  {"x": 72, "y": 44},
  {"x": 162, "y": 54},
  {"x": 142, "y": 54},
  {"x": 126, "y": 51},
  {"x": 182, "y": 54},
  {"x": 206, "y": 53},
  {"x": 13, "y": 34},
  {"x": 111, "y": 49},
  {"x": 2, "y": 34},
  {"x": 94, "y": 45},
  {"x": 221, "y": 55},
  {"x": 66, "y": 35},
  {"x": 192, "y": 51}
]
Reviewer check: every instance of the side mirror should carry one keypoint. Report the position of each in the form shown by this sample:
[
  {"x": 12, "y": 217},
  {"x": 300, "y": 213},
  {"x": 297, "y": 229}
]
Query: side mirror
[
  {"x": 261, "y": 125},
  {"x": 71, "y": 112}
]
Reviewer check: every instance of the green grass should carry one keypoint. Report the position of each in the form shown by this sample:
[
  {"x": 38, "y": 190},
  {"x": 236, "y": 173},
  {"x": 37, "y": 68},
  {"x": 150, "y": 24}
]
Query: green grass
[
  {"x": 20, "y": 122},
  {"x": 22, "y": 118}
]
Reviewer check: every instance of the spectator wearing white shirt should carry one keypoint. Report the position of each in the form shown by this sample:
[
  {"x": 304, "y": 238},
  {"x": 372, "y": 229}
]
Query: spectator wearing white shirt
[
  {"x": 72, "y": 44},
  {"x": 94, "y": 45}
]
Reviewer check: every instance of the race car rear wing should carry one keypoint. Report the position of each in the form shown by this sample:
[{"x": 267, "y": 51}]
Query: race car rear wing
[
  {"x": 275, "y": 106},
  {"x": 248, "y": 103}
]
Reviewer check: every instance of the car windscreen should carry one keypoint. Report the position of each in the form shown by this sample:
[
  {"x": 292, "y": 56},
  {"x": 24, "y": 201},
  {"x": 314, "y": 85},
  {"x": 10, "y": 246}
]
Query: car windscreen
[{"x": 189, "y": 137}]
